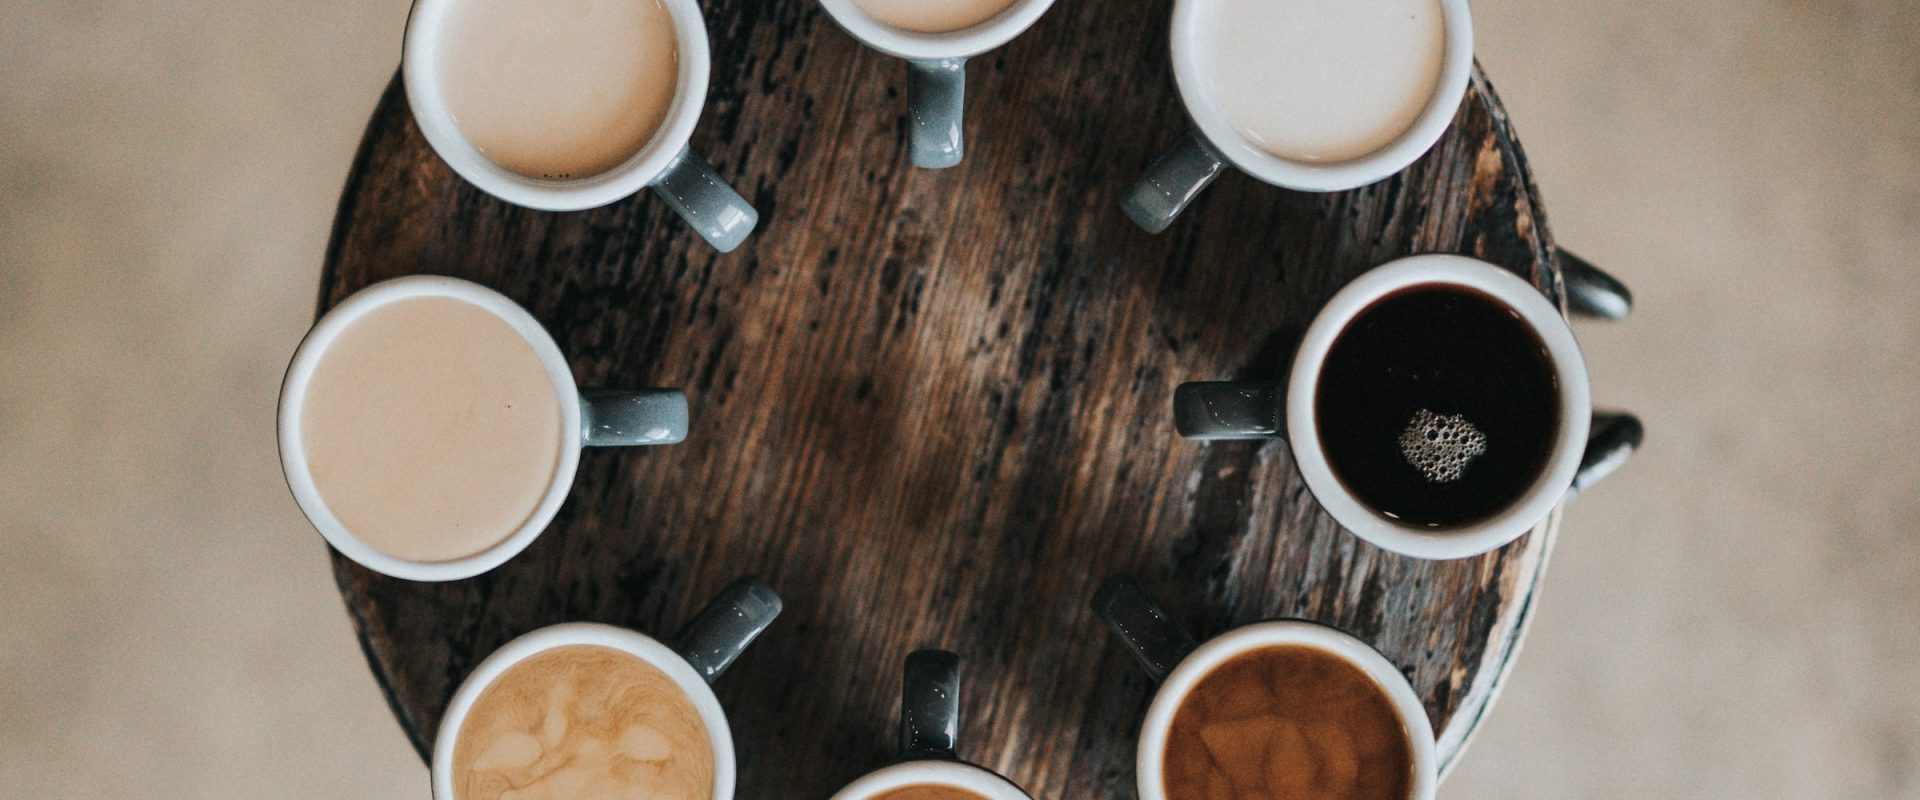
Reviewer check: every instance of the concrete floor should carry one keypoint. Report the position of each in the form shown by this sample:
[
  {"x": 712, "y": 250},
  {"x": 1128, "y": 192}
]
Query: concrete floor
[{"x": 1732, "y": 616}]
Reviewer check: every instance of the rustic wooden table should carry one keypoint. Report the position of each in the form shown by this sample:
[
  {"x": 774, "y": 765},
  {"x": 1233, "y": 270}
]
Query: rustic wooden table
[{"x": 931, "y": 408}]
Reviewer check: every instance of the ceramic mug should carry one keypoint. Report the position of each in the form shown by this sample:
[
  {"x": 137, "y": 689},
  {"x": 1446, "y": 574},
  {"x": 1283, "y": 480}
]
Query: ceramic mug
[
  {"x": 1212, "y": 142},
  {"x": 1174, "y": 661},
  {"x": 1267, "y": 410},
  {"x": 709, "y": 644},
  {"x": 679, "y": 176},
  {"x": 594, "y": 418},
  {"x": 936, "y": 69},
  {"x": 930, "y": 737}
]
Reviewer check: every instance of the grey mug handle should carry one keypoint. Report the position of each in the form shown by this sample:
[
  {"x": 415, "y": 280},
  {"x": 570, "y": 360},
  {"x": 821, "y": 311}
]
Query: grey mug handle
[
  {"x": 722, "y": 630},
  {"x": 936, "y": 110},
  {"x": 1220, "y": 410},
  {"x": 930, "y": 706},
  {"x": 691, "y": 187},
  {"x": 610, "y": 418},
  {"x": 1154, "y": 639},
  {"x": 1174, "y": 180},
  {"x": 1592, "y": 292}
]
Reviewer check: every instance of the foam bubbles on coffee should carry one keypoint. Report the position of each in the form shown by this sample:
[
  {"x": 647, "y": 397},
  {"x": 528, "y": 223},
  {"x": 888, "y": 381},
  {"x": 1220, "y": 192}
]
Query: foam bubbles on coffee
[{"x": 1440, "y": 447}]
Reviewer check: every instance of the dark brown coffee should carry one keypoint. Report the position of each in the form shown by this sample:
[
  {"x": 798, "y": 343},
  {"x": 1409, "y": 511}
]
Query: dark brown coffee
[
  {"x": 928, "y": 791},
  {"x": 1291, "y": 722},
  {"x": 1437, "y": 406}
]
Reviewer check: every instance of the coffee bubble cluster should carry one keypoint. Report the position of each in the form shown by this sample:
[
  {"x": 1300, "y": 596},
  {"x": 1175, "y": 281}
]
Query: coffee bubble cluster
[{"x": 1441, "y": 447}]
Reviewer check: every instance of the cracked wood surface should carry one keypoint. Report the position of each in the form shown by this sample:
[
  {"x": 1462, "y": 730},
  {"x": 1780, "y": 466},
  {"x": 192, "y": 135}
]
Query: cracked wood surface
[{"x": 931, "y": 408}]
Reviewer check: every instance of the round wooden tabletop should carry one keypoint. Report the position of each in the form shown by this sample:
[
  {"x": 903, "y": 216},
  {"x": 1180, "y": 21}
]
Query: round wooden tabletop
[{"x": 932, "y": 408}]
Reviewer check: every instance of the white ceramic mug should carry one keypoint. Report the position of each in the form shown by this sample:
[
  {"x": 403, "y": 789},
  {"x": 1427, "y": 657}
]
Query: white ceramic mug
[
  {"x": 679, "y": 176},
  {"x": 936, "y": 69},
  {"x": 1170, "y": 656},
  {"x": 710, "y": 644},
  {"x": 930, "y": 737},
  {"x": 1266, "y": 410},
  {"x": 1212, "y": 142},
  {"x": 593, "y": 418}
]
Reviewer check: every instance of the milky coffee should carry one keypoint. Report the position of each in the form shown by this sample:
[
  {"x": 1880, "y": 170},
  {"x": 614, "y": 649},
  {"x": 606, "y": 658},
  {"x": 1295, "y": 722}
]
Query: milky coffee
[
  {"x": 583, "y": 721},
  {"x": 928, "y": 791},
  {"x": 932, "y": 16},
  {"x": 1320, "y": 81},
  {"x": 558, "y": 89},
  {"x": 1288, "y": 721},
  {"x": 431, "y": 429}
]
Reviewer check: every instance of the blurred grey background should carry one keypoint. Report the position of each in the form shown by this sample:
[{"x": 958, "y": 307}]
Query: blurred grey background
[{"x": 1734, "y": 615}]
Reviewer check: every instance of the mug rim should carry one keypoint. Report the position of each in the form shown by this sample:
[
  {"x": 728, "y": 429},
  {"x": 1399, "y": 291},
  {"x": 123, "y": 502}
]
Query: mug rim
[
  {"x": 1542, "y": 317},
  {"x": 631, "y": 642},
  {"x": 1456, "y": 68},
  {"x": 990, "y": 33},
  {"x": 307, "y": 357},
  {"x": 420, "y": 72},
  {"x": 1155, "y": 726},
  {"x": 968, "y": 776}
]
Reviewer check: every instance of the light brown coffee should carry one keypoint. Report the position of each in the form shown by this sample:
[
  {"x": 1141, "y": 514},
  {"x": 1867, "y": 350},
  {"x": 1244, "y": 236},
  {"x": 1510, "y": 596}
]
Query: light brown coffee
[
  {"x": 1288, "y": 722},
  {"x": 932, "y": 16},
  {"x": 583, "y": 721},
  {"x": 1320, "y": 80},
  {"x": 431, "y": 429},
  {"x": 558, "y": 89},
  {"x": 928, "y": 791}
]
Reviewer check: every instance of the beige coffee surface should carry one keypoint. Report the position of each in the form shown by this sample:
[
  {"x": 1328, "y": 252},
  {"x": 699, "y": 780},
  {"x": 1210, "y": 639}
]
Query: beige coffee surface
[
  {"x": 932, "y": 16},
  {"x": 1320, "y": 81},
  {"x": 559, "y": 89},
  {"x": 583, "y": 721},
  {"x": 1287, "y": 722},
  {"x": 431, "y": 429},
  {"x": 928, "y": 791}
]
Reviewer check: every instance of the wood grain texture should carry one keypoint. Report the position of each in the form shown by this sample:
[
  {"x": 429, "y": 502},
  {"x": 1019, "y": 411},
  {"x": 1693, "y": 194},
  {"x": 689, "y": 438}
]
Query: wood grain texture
[{"x": 931, "y": 408}]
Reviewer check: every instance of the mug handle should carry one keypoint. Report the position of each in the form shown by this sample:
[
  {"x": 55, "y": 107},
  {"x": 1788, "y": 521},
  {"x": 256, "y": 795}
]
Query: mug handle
[
  {"x": 1155, "y": 640},
  {"x": 691, "y": 187},
  {"x": 930, "y": 706},
  {"x": 936, "y": 110},
  {"x": 1221, "y": 410},
  {"x": 722, "y": 630},
  {"x": 1173, "y": 181},
  {"x": 1591, "y": 292},
  {"x": 612, "y": 418}
]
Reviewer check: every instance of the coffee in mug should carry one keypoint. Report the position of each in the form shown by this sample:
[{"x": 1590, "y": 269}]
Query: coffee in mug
[
  {"x": 1319, "y": 81},
  {"x": 1289, "y": 721},
  {"x": 583, "y": 721},
  {"x": 929, "y": 791},
  {"x": 929, "y": 765},
  {"x": 933, "y": 16},
  {"x": 430, "y": 428},
  {"x": 1437, "y": 405},
  {"x": 559, "y": 89}
]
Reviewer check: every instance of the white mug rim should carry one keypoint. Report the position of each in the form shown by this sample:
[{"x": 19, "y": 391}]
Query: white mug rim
[
  {"x": 960, "y": 774},
  {"x": 420, "y": 67},
  {"x": 1216, "y": 651},
  {"x": 969, "y": 41},
  {"x": 307, "y": 357},
  {"x": 1563, "y": 460},
  {"x": 634, "y": 643},
  {"x": 1456, "y": 67}
]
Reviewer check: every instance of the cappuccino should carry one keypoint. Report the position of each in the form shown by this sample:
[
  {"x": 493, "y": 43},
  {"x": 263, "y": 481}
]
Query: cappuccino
[
  {"x": 583, "y": 721},
  {"x": 559, "y": 89},
  {"x": 1320, "y": 81},
  {"x": 431, "y": 429},
  {"x": 932, "y": 16},
  {"x": 928, "y": 791}
]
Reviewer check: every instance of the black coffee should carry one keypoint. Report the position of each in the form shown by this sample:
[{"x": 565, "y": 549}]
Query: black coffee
[{"x": 1437, "y": 406}]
